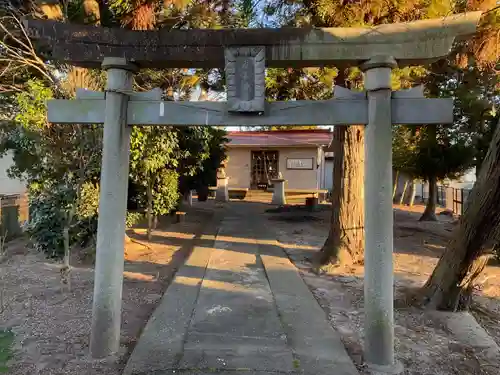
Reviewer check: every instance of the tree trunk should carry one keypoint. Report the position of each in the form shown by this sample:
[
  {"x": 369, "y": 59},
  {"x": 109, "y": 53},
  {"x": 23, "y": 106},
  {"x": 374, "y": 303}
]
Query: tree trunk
[
  {"x": 66, "y": 268},
  {"x": 451, "y": 284},
  {"x": 413, "y": 192},
  {"x": 403, "y": 194},
  {"x": 430, "y": 209},
  {"x": 149, "y": 209},
  {"x": 395, "y": 186},
  {"x": 345, "y": 243}
]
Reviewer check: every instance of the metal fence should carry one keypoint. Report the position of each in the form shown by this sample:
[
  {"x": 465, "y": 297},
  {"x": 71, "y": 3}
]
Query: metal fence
[{"x": 453, "y": 199}]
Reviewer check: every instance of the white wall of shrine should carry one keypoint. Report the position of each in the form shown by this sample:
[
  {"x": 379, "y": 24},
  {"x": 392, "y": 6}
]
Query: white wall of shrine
[
  {"x": 9, "y": 185},
  {"x": 239, "y": 167}
]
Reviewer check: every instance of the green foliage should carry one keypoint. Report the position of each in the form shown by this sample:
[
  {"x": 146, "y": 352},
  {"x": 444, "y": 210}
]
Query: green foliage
[
  {"x": 421, "y": 152},
  {"x": 88, "y": 203},
  {"x": 404, "y": 149},
  {"x": 151, "y": 149},
  {"x": 434, "y": 151},
  {"x": 207, "y": 176},
  {"x": 32, "y": 105},
  {"x": 121, "y": 7},
  {"x": 133, "y": 218},
  {"x": 448, "y": 151},
  {"x": 6, "y": 342},
  {"x": 45, "y": 154},
  {"x": 154, "y": 156},
  {"x": 211, "y": 153},
  {"x": 61, "y": 163},
  {"x": 165, "y": 192},
  {"x": 443, "y": 159},
  {"x": 484, "y": 139},
  {"x": 49, "y": 216},
  {"x": 194, "y": 143}
]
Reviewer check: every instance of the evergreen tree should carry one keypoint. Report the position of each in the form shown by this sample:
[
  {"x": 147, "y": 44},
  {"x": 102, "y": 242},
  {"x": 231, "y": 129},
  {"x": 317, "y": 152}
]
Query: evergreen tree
[
  {"x": 452, "y": 282},
  {"x": 344, "y": 244},
  {"x": 181, "y": 151}
]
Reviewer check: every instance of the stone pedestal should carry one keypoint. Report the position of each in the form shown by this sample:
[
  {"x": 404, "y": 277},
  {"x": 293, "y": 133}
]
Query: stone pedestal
[
  {"x": 188, "y": 198},
  {"x": 222, "y": 193},
  {"x": 279, "y": 192}
]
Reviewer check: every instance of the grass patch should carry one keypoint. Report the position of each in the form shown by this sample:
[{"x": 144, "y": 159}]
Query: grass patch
[{"x": 6, "y": 340}]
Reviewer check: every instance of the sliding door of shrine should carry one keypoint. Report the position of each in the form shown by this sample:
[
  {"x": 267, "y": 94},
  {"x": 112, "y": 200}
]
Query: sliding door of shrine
[{"x": 265, "y": 166}]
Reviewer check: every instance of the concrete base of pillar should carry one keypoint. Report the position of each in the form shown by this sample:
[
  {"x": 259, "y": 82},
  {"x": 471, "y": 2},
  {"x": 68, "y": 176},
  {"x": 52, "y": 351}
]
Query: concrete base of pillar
[
  {"x": 395, "y": 369},
  {"x": 222, "y": 193},
  {"x": 279, "y": 197}
]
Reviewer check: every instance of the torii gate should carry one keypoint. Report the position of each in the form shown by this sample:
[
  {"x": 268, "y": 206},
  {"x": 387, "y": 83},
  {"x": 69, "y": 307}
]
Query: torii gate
[{"x": 246, "y": 53}]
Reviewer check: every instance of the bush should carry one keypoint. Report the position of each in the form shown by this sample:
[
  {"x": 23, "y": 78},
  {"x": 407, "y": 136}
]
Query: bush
[
  {"x": 133, "y": 218},
  {"x": 84, "y": 229},
  {"x": 166, "y": 192},
  {"x": 47, "y": 221},
  {"x": 48, "y": 217}
]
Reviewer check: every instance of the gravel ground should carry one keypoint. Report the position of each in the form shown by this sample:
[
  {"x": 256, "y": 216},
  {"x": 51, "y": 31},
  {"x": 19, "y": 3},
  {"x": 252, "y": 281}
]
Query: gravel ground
[
  {"x": 52, "y": 325},
  {"x": 424, "y": 344}
]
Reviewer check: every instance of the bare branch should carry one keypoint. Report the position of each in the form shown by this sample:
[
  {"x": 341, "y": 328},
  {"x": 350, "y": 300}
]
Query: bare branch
[{"x": 18, "y": 52}]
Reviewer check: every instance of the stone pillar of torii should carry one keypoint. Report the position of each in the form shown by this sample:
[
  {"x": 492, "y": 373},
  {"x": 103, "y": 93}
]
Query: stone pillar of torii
[{"x": 376, "y": 51}]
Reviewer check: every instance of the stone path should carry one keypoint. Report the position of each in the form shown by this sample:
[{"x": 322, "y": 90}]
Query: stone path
[{"x": 239, "y": 305}]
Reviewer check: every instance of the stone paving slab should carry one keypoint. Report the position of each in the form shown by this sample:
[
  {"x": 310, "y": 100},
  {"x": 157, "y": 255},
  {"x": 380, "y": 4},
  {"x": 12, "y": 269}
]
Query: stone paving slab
[
  {"x": 236, "y": 325},
  {"x": 240, "y": 307},
  {"x": 212, "y": 372},
  {"x": 236, "y": 353},
  {"x": 161, "y": 343},
  {"x": 316, "y": 344}
]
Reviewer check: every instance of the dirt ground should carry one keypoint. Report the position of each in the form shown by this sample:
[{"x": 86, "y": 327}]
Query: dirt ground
[
  {"x": 426, "y": 342},
  {"x": 51, "y": 326}
]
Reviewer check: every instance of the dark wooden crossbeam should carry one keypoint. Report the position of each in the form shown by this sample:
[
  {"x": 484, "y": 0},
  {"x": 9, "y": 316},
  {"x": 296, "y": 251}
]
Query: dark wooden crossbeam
[
  {"x": 74, "y": 33},
  {"x": 409, "y": 43}
]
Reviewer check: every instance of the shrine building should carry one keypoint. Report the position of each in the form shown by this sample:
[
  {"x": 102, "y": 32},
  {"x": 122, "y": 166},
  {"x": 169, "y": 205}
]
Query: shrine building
[{"x": 257, "y": 157}]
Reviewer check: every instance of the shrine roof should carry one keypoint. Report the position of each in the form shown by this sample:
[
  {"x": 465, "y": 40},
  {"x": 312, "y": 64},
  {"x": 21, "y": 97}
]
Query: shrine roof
[{"x": 280, "y": 138}]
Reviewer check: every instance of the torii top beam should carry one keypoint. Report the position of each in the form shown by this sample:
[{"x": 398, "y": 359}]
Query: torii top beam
[{"x": 409, "y": 43}]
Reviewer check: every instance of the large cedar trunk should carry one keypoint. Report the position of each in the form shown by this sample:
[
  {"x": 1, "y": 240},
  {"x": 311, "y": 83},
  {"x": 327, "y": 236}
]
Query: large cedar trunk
[
  {"x": 345, "y": 243},
  {"x": 451, "y": 284},
  {"x": 430, "y": 209}
]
